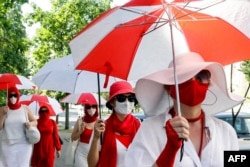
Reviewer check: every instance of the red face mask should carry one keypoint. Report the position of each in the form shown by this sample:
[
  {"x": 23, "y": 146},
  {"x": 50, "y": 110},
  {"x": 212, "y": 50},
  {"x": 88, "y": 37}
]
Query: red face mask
[{"x": 191, "y": 92}]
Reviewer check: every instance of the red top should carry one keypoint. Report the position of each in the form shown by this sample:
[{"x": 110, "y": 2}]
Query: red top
[{"x": 86, "y": 135}]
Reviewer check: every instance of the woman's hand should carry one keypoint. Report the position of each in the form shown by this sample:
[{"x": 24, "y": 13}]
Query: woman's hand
[
  {"x": 99, "y": 127},
  {"x": 27, "y": 125},
  {"x": 180, "y": 126},
  {"x": 58, "y": 154},
  {"x": 82, "y": 127},
  {"x": 3, "y": 110}
]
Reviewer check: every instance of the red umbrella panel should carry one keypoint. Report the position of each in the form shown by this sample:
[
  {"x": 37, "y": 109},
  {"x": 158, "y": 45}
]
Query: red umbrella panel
[
  {"x": 36, "y": 101},
  {"x": 143, "y": 36},
  {"x": 8, "y": 80}
]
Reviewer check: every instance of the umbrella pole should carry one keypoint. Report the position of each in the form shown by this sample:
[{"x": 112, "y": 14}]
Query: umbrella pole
[
  {"x": 99, "y": 95},
  {"x": 174, "y": 67},
  {"x": 175, "y": 79},
  {"x": 99, "y": 101}
]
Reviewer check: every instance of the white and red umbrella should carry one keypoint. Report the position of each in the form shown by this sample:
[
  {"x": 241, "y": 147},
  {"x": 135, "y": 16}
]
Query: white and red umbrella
[
  {"x": 60, "y": 75},
  {"x": 36, "y": 101},
  {"x": 83, "y": 98},
  {"x": 143, "y": 36},
  {"x": 8, "y": 79}
]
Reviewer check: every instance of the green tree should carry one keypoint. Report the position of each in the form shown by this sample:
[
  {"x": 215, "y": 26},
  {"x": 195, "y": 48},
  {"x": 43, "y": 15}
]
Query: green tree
[
  {"x": 13, "y": 41},
  {"x": 57, "y": 27},
  {"x": 245, "y": 69}
]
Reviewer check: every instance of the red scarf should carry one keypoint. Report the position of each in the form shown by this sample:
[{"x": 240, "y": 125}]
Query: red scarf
[
  {"x": 17, "y": 104},
  {"x": 88, "y": 118},
  {"x": 128, "y": 127}
]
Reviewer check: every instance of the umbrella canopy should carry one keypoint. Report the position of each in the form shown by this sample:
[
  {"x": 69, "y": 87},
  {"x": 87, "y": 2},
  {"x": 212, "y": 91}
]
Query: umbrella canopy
[
  {"x": 36, "y": 101},
  {"x": 143, "y": 36},
  {"x": 21, "y": 82},
  {"x": 83, "y": 98},
  {"x": 59, "y": 75}
]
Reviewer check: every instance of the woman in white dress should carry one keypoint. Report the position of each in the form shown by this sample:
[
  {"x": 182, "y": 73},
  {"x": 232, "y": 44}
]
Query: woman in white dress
[
  {"x": 83, "y": 130},
  {"x": 15, "y": 149},
  {"x": 194, "y": 138}
]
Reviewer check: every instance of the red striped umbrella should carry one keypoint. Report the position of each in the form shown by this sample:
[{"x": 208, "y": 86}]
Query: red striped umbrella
[{"x": 36, "y": 101}]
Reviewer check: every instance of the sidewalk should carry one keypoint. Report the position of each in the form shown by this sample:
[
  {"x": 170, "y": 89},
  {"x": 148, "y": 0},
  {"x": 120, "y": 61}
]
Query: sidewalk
[{"x": 65, "y": 135}]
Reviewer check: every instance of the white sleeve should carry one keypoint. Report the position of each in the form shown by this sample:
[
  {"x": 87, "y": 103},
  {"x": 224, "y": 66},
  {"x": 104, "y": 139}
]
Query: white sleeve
[{"x": 148, "y": 143}]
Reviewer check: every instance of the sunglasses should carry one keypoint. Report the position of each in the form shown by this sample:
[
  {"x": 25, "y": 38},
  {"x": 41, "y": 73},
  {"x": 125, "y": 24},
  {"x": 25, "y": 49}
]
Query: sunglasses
[
  {"x": 90, "y": 106},
  {"x": 203, "y": 76},
  {"x": 12, "y": 95},
  {"x": 43, "y": 111},
  {"x": 122, "y": 98}
]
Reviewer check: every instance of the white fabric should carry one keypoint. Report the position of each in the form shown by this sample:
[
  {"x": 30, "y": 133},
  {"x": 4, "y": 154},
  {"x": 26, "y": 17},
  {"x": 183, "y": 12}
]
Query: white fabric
[
  {"x": 14, "y": 128},
  {"x": 15, "y": 150},
  {"x": 151, "y": 139},
  {"x": 81, "y": 155},
  {"x": 121, "y": 152},
  {"x": 15, "y": 155}
]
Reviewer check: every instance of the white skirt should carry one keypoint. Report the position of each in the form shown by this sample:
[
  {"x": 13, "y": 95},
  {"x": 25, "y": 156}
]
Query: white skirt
[
  {"x": 81, "y": 155},
  {"x": 17, "y": 154}
]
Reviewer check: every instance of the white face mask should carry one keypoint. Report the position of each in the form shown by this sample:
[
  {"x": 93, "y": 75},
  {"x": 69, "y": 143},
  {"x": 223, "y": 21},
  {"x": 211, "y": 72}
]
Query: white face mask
[
  {"x": 91, "y": 111},
  {"x": 124, "y": 107},
  {"x": 13, "y": 100}
]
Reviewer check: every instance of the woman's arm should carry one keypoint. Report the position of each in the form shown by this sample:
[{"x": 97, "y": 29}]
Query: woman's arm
[
  {"x": 93, "y": 155},
  {"x": 56, "y": 138},
  {"x": 78, "y": 129},
  {"x": 31, "y": 117},
  {"x": 3, "y": 112}
]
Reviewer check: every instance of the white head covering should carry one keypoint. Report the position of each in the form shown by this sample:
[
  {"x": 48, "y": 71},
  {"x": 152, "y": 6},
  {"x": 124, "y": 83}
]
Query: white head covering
[{"x": 154, "y": 99}]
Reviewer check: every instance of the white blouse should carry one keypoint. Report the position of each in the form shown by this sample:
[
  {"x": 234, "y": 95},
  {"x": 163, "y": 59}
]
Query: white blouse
[{"x": 151, "y": 139}]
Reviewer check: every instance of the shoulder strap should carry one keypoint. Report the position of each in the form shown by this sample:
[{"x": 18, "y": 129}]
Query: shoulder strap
[
  {"x": 79, "y": 122},
  {"x": 26, "y": 112}
]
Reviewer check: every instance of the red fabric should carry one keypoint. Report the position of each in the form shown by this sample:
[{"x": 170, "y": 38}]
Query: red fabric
[
  {"x": 44, "y": 151},
  {"x": 167, "y": 156},
  {"x": 125, "y": 140},
  {"x": 87, "y": 118},
  {"x": 17, "y": 105},
  {"x": 86, "y": 135},
  {"x": 128, "y": 127},
  {"x": 191, "y": 92}
]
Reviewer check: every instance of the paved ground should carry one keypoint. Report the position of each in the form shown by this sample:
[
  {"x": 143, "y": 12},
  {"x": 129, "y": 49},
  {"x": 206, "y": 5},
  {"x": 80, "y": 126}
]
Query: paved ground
[{"x": 59, "y": 162}]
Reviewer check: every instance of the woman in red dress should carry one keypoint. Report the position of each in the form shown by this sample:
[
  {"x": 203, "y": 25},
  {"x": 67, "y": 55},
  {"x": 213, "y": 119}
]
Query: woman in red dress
[{"x": 44, "y": 151}]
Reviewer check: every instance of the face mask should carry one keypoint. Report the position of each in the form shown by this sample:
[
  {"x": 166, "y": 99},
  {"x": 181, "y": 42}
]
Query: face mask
[
  {"x": 191, "y": 92},
  {"x": 13, "y": 100},
  {"x": 124, "y": 107},
  {"x": 91, "y": 111}
]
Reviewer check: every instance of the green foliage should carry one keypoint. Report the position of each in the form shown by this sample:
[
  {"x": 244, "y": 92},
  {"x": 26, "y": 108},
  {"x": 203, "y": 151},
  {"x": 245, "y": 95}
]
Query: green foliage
[
  {"x": 13, "y": 41},
  {"x": 59, "y": 26},
  {"x": 245, "y": 68}
]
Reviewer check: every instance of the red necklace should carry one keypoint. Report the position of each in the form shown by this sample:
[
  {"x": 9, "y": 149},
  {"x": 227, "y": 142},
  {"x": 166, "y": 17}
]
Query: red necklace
[
  {"x": 197, "y": 118},
  {"x": 200, "y": 117}
]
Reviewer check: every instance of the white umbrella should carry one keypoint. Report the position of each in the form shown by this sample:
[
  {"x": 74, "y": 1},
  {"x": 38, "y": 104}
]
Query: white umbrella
[
  {"x": 81, "y": 98},
  {"x": 35, "y": 101},
  {"x": 60, "y": 75}
]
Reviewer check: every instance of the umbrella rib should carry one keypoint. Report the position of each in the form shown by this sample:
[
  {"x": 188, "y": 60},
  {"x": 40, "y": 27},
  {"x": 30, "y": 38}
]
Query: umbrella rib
[
  {"x": 78, "y": 73},
  {"x": 161, "y": 21}
]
